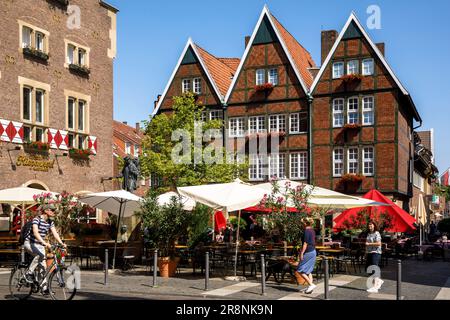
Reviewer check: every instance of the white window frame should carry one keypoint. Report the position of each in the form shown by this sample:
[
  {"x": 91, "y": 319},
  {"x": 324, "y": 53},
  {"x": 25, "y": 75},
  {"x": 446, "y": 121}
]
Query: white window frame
[
  {"x": 298, "y": 165},
  {"x": 352, "y": 111},
  {"x": 278, "y": 122},
  {"x": 260, "y": 77},
  {"x": 136, "y": 150},
  {"x": 277, "y": 165},
  {"x": 273, "y": 76},
  {"x": 367, "y": 160},
  {"x": 257, "y": 124},
  {"x": 185, "y": 85},
  {"x": 368, "y": 107},
  {"x": 353, "y": 67},
  {"x": 76, "y": 54},
  {"x": 295, "y": 121},
  {"x": 236, "y": 127},
  {"x": 255, "y": 168},
  {"x": 353, "y": 160},
  {"x": 368, "y": 67},
  {"x": 197, "y": 85},
  {"x": 128, "y": 148},
  {"x": 339, "y": 112},
  {"x": 39, "y": 41},
  {"x": 27, "y": 38},
  {"x": 338, "y": 161},
  {"x": 215, "y": 115},
  {"x": 339, "y": 64}
]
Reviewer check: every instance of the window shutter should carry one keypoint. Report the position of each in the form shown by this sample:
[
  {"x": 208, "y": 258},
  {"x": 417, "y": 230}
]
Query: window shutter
[{"x": 93, "y": 144}]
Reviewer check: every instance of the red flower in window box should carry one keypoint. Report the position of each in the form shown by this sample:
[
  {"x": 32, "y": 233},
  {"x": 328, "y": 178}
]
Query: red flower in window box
[
  {"x": 348, "y": 78},
  {"x": 352, "y": 178},
  {"x": 266, "y": 87},
  {"x": 79, "y": 153},
  {"x": 37, "y": 146}
]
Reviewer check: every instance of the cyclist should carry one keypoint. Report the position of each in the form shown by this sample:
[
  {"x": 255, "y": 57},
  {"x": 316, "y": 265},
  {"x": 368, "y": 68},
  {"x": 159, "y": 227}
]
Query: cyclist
[{"x": 34, "y": 242}]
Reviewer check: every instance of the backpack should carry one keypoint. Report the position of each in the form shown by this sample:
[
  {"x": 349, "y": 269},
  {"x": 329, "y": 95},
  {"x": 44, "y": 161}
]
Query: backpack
[{"x": 25, "y": 232}]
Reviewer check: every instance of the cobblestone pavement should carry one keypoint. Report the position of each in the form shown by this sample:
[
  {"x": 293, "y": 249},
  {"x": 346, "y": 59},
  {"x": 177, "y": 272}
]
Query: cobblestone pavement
[{"x": 421, "y": 281}]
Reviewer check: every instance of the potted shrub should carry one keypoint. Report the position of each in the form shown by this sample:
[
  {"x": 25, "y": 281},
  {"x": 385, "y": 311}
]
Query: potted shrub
[
  {"x": 167, "y": 223},
  {"x": 36, "y": 146},
  {"x": 266, "y": 87},
  {"x": 79, "y": 153}
]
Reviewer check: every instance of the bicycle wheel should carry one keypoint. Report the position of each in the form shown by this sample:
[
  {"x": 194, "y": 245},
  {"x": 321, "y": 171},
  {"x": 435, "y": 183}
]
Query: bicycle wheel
[
  {"x": 18, "y": 286},
  {"x": 62, "y": 284}
]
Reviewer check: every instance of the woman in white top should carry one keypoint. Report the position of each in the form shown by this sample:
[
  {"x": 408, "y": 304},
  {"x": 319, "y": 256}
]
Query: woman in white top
[{"x": 373, "y": 251}]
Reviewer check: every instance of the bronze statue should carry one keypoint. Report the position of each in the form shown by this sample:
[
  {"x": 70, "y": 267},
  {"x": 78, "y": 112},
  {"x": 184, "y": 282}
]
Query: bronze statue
[{"x": 130, "y": 174}]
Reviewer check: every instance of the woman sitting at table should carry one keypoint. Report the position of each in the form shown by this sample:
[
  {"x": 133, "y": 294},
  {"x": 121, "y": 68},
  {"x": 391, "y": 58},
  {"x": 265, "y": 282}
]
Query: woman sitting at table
[{"x": 307, "y": 255}]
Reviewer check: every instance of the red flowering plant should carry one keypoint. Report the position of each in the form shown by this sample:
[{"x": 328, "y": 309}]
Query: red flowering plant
[
  {"x": 79, "y": 153},
  {"x": 37, "y": 145},
  {"x": 360, "y": 221},
  {"x": 282, "y": 219},
  {"x": 348, "y": 78},
  {"x": 352, "y": 178},
  {"x": 352, "y": 126},
  {"x": 266, "y": 87}
]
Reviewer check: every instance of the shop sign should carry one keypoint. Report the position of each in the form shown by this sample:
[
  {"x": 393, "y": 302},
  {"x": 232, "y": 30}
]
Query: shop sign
[{"x": 35, "y": 162}]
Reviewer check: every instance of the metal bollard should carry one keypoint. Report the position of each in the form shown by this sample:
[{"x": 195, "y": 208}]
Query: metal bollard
[
  {"x": 399, "y": 279},
  {"x": 22, "y": 254},
  {"x": 207, "y": 272},
  {"x": 263, "y": 276},
  {"x": 106, "y": 266},
  {"x": 326, "y": 278},
  {"x": 155, "y": 267}
]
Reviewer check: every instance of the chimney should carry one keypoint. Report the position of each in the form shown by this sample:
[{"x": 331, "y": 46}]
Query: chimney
[
  {"x": 138, "y": 127},
  {"x": 328, "y": 39},
  {"x": 247, "y": 40},
  {"x": 124, "y": 122},
  {"x": 155, "y": 103},
  {"x": 381, "y": 47}
]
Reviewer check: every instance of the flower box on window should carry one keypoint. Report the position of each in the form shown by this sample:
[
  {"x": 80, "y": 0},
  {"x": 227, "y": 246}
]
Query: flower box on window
[
  {"x": 35, "y": 53},
  {"x": 79, "y": 69},
  {"x": 79, "y": 153},
  {"x": 352, "y": 178},
  {"x": 36, "y": 146},
  {"x": 350, "y": 78},
  {"x": 266, "y": 87},
  {"x": 352, "y": 126}
]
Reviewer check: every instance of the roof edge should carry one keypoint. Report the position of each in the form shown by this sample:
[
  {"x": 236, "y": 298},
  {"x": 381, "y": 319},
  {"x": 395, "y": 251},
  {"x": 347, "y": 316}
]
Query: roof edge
[{"x": 108, "y": 6}]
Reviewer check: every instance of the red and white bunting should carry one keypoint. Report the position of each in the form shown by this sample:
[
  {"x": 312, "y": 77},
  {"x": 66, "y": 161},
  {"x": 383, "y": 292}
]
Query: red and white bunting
[
  {"x": 93, "y": 144},
  {"x": 11, "y": 131}
]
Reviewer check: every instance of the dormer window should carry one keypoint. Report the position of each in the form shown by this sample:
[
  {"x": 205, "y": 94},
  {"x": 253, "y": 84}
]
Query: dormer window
[
  {"x": 273, "y": 76},
  {"x": 186, "y": 85},
  {"x": 338, "y": 70},
  {"x": 368, "y": 67},
  {"x": 198, "y": 85},
  {"x": 260, "y": 77},
  {"x": 353, "y": 67}
]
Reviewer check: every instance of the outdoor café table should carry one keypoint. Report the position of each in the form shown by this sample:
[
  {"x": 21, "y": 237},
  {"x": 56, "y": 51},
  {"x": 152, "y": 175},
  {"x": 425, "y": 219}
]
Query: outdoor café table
[
  {"x": 181, "y": 247},
  {"x": 333, "y": 252},
  {"x": 322, "y": 247}
]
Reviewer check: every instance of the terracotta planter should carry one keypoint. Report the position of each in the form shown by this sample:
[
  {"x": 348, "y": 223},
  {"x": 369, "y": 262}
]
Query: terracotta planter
[{"x": 167, "y": 266}]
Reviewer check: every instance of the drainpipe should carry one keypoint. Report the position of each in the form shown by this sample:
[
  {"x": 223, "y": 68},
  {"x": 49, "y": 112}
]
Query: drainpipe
[
  {"x": 224, "y": 108},
  {"x": 310, "y": 137}
]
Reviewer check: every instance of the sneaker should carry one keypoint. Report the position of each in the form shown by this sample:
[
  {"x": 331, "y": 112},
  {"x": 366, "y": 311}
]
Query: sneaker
[
  {"x": 310, "y": 289},
  {"x": 29, "y": 277},
  {"x": 380, "y": 283},
  {"x": 372, "y": 290}
]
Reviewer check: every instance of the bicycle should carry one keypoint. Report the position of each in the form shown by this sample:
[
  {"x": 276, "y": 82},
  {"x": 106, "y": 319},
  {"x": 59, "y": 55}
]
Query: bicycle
[{"x": 21, "y": 289}]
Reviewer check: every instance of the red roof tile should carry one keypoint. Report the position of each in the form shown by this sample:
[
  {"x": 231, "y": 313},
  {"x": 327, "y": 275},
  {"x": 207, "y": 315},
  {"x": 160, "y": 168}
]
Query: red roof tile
[
  {"x": 301, "y": 57},
  {"x": 125, "y": 131},
  {"x": 221, "y": 69}
]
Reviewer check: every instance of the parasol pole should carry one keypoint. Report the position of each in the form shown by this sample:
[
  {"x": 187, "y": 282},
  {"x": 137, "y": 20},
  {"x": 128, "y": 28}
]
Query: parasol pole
[
  {"x": 237, "y": 244},
  {"x": 117, "y": 235}
]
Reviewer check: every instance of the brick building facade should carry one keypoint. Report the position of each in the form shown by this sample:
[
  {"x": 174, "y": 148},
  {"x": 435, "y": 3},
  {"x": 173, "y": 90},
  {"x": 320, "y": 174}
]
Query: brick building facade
[
  {"x": 351, "y": 116},
  {"x": 56, "y": 87}
]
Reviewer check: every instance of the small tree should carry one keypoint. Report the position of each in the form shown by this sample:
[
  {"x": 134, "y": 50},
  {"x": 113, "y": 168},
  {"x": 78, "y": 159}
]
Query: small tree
[{"x": 165, "y": 224}]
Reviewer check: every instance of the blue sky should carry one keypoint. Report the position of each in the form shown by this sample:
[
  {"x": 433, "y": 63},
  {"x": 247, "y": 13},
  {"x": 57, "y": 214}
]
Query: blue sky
[{"x": 152, "y": 35}]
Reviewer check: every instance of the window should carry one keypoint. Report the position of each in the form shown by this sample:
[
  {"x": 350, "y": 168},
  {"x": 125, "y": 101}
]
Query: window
[
  {"x": 298, "y": 122},
  {"x": 273, "y": 76},
  {"x": 352, "y": 111},
  {"x": 298, "y": 166},
  {"x": 368, "y": 161},
  {"x": 76, "y": 54},
  {"x": 338, "y": 113},
  {"x": 33, "y": 37},
  {"x": 186, "y": 85},
  {"x": 71, "y": 140},
  {"x": 277, "y": 167},
  {"x": 127, "y": 148},
  {"x": 26, "y": 37},
  {"x": 26, "y": 133},
  {"x": 257, "y": 124},
  {"x": 353, "y": 67},
  {"x": 204, "y": 116},
  {"x": 26, "y": 104},
  {"x": 277, "y": 123},
  {"x": 368, "y": 67},
  {"x": 40, "y": 106},
  {"x": 81, "y": 110},
  {"x": 338, "y": 162},
  {"x": 39, "y": 41},
  {"x": 338, "y": 70},
  {"x": 71, "y": 113},
  {"x": 237, "y": 127},
  {"x": 353, "y": 161},
  {"x": 260, "y": 76},
  {"x": 215, "y": 115},
  {"x": 81, "y": 142},
  {"x": 198, "y": 85},
  {"x": 255, "y": 170},
  {"x": 368, "y": 111},
  {"x": 136, "y": 150},
  {"x": 34, "y": 102}
]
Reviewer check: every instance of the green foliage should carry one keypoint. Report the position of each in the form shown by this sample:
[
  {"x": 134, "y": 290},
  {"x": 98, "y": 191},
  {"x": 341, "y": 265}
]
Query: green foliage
[
  {"x": 158, "y": 146},
  {"x": 443, "y": 191},
  {"x": 444, "y": 226},
  {"x": 200, "y": 219},
  {"x": 165, "y": 223},
  {"x": 234, "y": 222}
]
